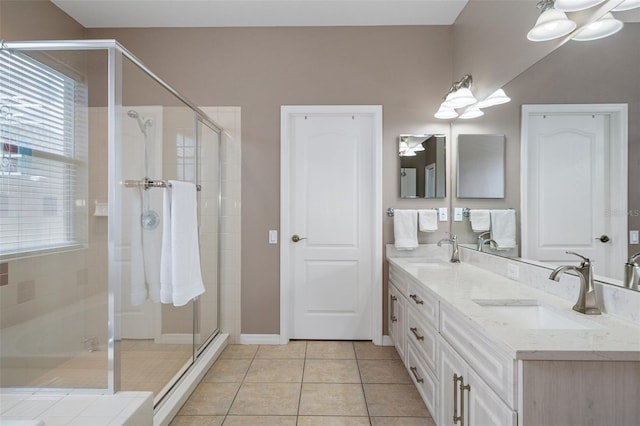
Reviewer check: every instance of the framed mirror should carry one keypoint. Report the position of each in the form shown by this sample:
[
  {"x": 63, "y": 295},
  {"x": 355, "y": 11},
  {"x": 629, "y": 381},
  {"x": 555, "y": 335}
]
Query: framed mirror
[
  {"x": 422, "y": 166},
  {"x": 480, "y": 166}
]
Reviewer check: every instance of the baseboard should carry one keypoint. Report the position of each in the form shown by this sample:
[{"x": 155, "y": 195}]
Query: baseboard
[
  {"x": 259, "y": 339},
  {"x": 387, "y": 341}
]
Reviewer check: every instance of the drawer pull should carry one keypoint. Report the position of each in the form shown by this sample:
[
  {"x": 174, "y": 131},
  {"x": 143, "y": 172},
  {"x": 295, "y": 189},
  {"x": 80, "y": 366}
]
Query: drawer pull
[
  {"x": 393, "y": 318},
  {"x": 414, "y": 370},
  {"x": 456, "y": 418},
  {"x": 462, "y": 389},
  {"x": 414, "y": 330},
  {"x": 392, "y": 314},
  {"x": 416, "y": 299}
]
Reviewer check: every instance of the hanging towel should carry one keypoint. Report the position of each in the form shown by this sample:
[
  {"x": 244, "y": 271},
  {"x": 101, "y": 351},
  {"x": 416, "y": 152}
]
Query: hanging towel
[
  {"x": 503, "y": 228},
  {"x": 180, "y": 276},
  {"x": 428, "y": 220},
  {"x": 405, "y": 229},
  {"x": 480, "y": 220},
  {"x": 145, "y": 254}
]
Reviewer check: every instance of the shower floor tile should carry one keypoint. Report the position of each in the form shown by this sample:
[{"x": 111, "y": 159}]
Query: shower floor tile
[{"x": 307, "y": 383}]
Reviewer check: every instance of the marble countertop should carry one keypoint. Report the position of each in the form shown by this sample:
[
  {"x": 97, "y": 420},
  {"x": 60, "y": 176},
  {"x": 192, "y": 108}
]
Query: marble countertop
[{"x": 460, "y": 285}]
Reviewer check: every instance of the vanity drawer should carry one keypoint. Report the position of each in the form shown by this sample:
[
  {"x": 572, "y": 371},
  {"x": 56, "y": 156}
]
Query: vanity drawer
[
  {"x": 424, "y": 337},
  {"x": 425, "y": 304},
  {"x": 401, "y": 282},
  {"x": 496, "y": 367},
  {"x": 423, "y": 378}
]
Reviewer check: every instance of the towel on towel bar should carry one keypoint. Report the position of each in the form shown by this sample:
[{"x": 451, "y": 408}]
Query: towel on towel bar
[
  {"x": 480, "y": 220},
  {"x": 180, "y": 278},
  {"x": 503, "y": 228},
  {"x": 428, "y": 220},
  {"x": 405, "y": 229}
]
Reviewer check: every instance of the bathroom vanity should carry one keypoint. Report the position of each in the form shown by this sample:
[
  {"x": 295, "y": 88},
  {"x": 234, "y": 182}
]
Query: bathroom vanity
[{"x": 483, "y": 349}]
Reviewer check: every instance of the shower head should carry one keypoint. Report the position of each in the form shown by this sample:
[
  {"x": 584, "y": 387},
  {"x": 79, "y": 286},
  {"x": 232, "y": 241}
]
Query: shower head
[{"x": 144, "y": 125}]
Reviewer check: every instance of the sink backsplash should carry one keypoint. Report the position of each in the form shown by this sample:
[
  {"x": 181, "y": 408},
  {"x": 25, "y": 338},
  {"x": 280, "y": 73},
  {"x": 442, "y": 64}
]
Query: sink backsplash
[{"x": 617, "y": 301}]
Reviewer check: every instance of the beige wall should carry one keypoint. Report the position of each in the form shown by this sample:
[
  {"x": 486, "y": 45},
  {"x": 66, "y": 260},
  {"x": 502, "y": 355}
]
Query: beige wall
[
  {"x": 36, "y": 20},
  {"x": 405, "y": 69}
]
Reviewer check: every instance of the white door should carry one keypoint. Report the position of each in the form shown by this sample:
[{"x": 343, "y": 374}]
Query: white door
[
  {"x": 567, "y": 190},
  {"x": 332, "y": 208}
]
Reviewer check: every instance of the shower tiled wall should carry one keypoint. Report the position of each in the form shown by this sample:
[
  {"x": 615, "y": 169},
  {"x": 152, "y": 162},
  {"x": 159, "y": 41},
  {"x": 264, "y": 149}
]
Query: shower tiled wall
[{"x": 230, "y": 119}]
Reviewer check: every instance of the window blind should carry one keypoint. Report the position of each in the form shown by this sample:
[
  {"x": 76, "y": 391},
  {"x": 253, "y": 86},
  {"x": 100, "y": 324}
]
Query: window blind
[{"x": 43, "y": 164}]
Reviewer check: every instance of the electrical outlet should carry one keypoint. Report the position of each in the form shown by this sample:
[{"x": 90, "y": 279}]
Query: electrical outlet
[
  {"x": 513, "y": 271},
  {"x": 633, "y": 237}
]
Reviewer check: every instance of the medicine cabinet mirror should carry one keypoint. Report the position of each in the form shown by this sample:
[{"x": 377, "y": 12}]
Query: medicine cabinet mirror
[
  {"x": 422, "y": 166},
  {"x": 481, "y": 164}
]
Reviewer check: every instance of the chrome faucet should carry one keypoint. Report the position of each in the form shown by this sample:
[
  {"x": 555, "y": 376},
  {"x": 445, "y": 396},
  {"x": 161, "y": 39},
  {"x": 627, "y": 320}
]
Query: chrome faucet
[
  {"x": 632, "y": 272},
  {"x": 455, "y": 254},
  {"x": 482, "y": 240},
  {"x": 586, "y": 303}
]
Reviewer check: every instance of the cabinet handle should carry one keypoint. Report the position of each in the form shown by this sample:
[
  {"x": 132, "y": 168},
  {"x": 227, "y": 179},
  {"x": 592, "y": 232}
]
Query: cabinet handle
[
  {"x": 392, "y": 309},
  {"x": 462, "y": 389},
  {"x": 414, "y": 370},
  {"x": 456, "y": 418},
  {"x": 414, "y": 330},
  {"x": 416, "y": 299}
]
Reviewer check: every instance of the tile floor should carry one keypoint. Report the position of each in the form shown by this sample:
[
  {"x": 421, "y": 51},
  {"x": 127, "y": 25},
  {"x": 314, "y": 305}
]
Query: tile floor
[{"x": 306, "y": 383}]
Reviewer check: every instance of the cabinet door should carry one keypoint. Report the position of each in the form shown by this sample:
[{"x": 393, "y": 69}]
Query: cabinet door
[
  {"x": 485, "y": 407},
  {"x": 397, "y": 321},
  {"x": 450, "y": 365}
]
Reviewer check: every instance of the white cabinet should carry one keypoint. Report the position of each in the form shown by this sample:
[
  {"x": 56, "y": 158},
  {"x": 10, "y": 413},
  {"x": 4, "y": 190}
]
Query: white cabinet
[
  {"x": 397, "y": 319},
  {"x": 465, "y": 398}
]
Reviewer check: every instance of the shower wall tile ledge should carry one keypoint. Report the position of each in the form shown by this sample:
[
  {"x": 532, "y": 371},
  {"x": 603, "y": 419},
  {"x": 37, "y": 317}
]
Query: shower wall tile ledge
[{"x": 58, "y": 408}]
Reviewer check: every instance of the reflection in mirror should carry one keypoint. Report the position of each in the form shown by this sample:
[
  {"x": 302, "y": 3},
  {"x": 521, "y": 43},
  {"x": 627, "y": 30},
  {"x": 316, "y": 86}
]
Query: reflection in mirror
[
  {"x": 480, "y": 166},
  {"x": 422, "y": 166},
  {"x": 559, "y": 78}
]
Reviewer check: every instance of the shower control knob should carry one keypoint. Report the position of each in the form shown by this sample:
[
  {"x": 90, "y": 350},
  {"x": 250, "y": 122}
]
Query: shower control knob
[{"x": 295, "y": 238}]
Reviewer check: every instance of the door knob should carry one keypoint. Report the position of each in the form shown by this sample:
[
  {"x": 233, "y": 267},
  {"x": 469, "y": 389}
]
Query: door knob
[
  {"x": 295, "y": 238},
  {"x": 603, "y": 238}
]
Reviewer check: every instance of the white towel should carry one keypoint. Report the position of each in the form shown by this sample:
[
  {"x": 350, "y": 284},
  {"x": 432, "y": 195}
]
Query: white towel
[
  {"x": 480, "y": 220},
  {"x": 503, "y": 228},
  {"x": 145, "y": 254},
  {"x": 180, "y": 277},
  {"x": 405, "y": 229},
  {"x": 428, "y": 220}
]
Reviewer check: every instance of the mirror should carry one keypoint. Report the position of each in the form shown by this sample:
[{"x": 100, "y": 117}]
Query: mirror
[
  {"x": 480, "y": 166},
  {"x": 560, "y": 78},
  {"x": 422, "y": 166}
]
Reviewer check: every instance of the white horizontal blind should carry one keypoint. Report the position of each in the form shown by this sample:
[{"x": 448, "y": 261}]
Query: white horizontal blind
[{"x": 43, "y": 164}]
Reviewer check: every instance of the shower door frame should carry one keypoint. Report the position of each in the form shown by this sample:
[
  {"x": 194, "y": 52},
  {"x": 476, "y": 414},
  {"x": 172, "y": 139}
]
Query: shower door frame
[{"x": 115, "y": 54}]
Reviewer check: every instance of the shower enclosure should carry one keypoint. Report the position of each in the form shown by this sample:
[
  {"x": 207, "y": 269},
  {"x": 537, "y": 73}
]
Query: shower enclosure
[{"x": 89, "y": 137}]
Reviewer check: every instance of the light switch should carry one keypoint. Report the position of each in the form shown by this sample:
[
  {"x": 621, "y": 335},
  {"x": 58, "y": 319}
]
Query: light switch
[
  {"x": 273, "y": 236},
  {"x": 442, "y": 214},
  {"x": 457, "y": 214},
  {"x": 633, "y": 237}
]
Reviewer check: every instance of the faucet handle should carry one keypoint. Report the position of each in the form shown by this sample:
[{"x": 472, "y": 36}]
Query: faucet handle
[
  {"x": 584, "y": 259},
  {"x": 453, "y": 236}
]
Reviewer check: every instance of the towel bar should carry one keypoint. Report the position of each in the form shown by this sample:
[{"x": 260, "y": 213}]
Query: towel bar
[
  {"x": 147, "y": 183},
  {"x": 390, "y": 211}
]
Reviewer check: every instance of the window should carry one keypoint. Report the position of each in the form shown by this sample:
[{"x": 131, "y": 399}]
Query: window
[{"x": 43, "y": 147}]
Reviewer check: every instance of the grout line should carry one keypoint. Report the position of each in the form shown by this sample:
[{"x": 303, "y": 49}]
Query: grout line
[{"x": 364, "y": 395}]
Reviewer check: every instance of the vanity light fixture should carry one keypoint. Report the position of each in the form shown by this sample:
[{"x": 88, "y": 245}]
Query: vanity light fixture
[
  {"x": 551, "y": 24},
  {"x": 460, "y": 94},
  {"x": 575, "y": 5},
  {"x": 627, "y": 5},
  {"x": 445, "y": 113},
  {"x": 603, "y": 27},
  {"x": 496, "y": 98},
  {"x": 472, "y": 111}
]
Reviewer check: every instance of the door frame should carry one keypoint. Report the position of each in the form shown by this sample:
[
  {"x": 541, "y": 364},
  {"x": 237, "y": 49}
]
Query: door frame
[
  {"x": 618, "y": 159},
  {"x": 287, "y": 112}
]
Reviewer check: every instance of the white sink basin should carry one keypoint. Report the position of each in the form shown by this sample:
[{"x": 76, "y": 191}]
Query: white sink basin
[{"x": 530, "y": 314}]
